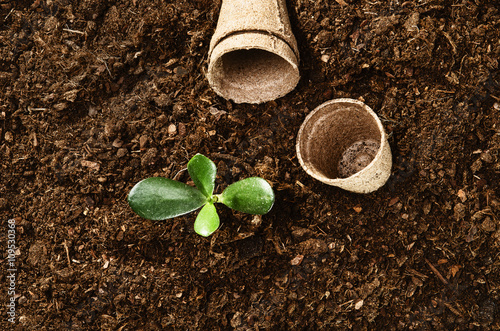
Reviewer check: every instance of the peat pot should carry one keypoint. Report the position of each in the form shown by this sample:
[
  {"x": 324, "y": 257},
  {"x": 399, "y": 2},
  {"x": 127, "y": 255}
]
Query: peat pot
[
  {"x": 343, "y": 143},
  {"x": 253, "y": 55}
]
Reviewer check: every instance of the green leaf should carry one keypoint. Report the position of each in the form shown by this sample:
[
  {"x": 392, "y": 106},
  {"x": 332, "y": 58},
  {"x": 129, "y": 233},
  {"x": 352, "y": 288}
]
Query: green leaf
[
  {"x": 159, "y": 198},
  {"x": 252, "y": 195},
  {"x": 203, "y": 171},
  {"x": 207, "y": 220}
]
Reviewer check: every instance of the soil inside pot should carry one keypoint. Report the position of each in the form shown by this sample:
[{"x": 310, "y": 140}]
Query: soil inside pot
[{"x": 357, "y": 157}]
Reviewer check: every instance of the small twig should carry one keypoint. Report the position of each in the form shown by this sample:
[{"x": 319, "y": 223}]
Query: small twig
[
  {"x": 346, "y": 303},
  {"x": 74, "y": 31},
  {"x": 106, "y": 65},
  {"x": 416, "y": 273},
  {"x": 178, "y": 173},
  {"x": 67, "y": 253},
  {"x": 437, "y": 272},
  {"x": 451, "y": 308},
  {"x": 450, "y": 41},
  {"x": 8, "y": 14}
]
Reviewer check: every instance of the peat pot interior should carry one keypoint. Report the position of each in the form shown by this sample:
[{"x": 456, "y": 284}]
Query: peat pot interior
[
  {"x": 339, "y": 139},
  {"x": 253, "y": 68}
]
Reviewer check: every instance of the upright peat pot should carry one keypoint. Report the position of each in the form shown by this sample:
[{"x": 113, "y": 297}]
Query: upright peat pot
[{"x": 343, "y": 143}]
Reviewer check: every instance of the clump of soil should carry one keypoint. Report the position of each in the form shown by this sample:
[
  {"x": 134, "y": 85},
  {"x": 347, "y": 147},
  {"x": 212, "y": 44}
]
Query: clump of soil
[
  {"x": 357, "y": 157},
  {"x": 96, "y": 95}
]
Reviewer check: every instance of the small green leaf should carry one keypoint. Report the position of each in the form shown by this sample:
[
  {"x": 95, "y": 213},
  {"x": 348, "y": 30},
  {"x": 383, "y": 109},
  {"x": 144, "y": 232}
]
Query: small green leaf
[
  {"x": 203, "y": 171},
  {"x": 252, "y": 195},
  {"x": 159, "y": 198},
  {"x": 207, "y": 220}
]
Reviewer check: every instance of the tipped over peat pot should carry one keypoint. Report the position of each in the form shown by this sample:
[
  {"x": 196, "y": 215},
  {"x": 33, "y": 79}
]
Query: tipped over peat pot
[
  {"x": 253, "y": 56},
  {"x": 343, "y": 143}
]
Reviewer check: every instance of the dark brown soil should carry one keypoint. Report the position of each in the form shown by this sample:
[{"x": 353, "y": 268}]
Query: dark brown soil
[{"x": 96, "y": 95}]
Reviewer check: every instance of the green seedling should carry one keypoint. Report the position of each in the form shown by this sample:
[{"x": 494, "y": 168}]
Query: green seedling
[{"x": 159, "y": 198}]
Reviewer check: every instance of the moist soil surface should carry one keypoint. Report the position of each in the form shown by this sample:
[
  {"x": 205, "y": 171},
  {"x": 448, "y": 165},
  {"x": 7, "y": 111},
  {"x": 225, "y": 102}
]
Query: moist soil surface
[{"x": 96, "y": 95}]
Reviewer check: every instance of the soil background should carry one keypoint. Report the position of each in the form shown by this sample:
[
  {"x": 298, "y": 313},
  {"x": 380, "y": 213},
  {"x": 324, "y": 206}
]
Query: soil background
[{"x": 96, "y": 95}]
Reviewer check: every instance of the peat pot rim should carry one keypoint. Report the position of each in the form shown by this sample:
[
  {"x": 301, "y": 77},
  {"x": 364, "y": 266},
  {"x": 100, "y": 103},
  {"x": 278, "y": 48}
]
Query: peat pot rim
[
  {"x": 269, "y": 73},
  {"x": 371, "y": 177}
]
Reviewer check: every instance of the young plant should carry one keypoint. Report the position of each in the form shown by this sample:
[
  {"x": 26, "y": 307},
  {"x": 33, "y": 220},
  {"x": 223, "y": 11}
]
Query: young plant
[{"x": 159, "y": 198}]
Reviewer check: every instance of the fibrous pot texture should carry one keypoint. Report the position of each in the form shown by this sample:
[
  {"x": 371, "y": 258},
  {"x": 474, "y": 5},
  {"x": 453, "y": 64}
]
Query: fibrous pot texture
[
  {"x": 342, "y": 143},
  {"x": 253, "y": 56}
]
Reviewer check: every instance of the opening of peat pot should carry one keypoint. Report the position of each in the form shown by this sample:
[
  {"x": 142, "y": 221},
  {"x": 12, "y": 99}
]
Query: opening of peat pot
[
  {"x": 342, "y": 143},
  {"x": 252, "y": 67}
]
